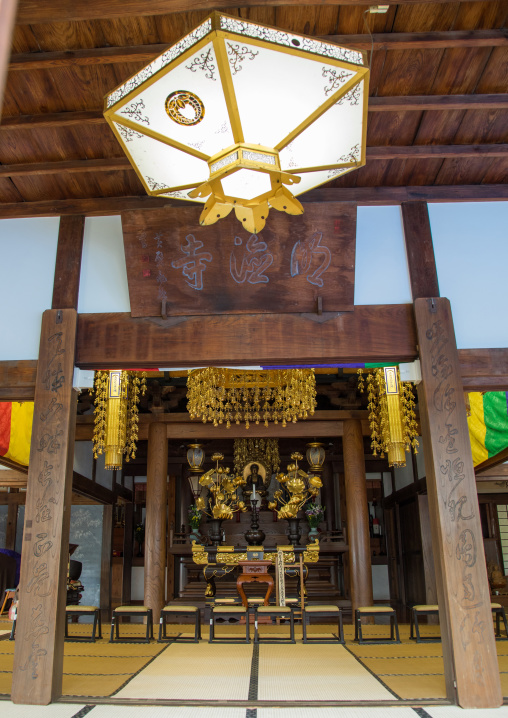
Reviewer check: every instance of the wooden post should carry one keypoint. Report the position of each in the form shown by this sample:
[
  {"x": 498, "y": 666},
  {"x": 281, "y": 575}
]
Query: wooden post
[
  {"x": 7, "y": 18},
  {"x": 357, "y": 511},
  {"x": 128, "y": 542},
  {"x": 38, "y": 654},
  {"x": 156, "y": 506},
  {"x": 12, "y": 522},
  {"x": 428, "y": 556},
  {"x": 469, "y": 649},
  {"x": 419, "y": 250},
  {"x": 68, "y": 262},
  {"x": 170, "y": 575},
  {"x": 106, "y": 561}
]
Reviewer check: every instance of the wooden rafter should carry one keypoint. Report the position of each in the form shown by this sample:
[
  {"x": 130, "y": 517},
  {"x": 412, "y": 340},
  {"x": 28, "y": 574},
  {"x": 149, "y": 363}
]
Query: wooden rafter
[
  {"x": 33, "y": 11},
  {"x": 379, "y": 41},
  {"x": 102, "y": 206},
  {"x": 411, "y": 152},
  {"x": 416, "y": 103}
]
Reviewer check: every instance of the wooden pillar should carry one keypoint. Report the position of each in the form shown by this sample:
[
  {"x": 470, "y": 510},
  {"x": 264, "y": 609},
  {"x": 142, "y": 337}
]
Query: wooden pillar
[
  {"x": 469, "y": 649},
  {"x": 155, "y": 524},
  {"x": 128, "y": 544},
  {"x": 68, "y": 262},
  {"x": 38, "y": 653},
  {"x": 170, "y": 575},
  {"x": 7, "y": 18},
  {"x": 106, "y": 561},
  {"x": 12, "y": 521},
  {"x": 428, "y": 556},
  {"x": 419, "y": 250},
  {"x": 357, "y": 512}
]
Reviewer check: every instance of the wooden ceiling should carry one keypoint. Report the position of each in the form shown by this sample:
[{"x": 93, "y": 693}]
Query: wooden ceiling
[{"x": 438, "y": 114}]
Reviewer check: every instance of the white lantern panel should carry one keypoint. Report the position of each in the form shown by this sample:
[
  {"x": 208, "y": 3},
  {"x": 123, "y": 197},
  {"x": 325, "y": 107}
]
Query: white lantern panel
[
  {"x": 183, "y": 194},
  {"x": 309, "y": 180},
  {"x": 246, "y": 184},
  {"x": 162, "y": 166},
  {"x": 334, "y": 138},
  {"x": 198, "y": 100},
  {"x": 276, "y": 91}
]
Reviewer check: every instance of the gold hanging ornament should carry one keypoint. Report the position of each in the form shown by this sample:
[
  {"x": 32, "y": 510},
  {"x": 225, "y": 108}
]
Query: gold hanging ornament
[
  {"x": 116, "y": 415},
  {"x": 226, "y": 396},
  {"x": 392, "y": 418}
]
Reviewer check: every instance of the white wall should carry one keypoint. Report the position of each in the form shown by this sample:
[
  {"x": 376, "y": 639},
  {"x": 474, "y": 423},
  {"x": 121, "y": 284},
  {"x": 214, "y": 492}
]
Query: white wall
[
  {"x": 27, "y": 268},
  {"x": 103, "y": 284},
  {"x": 382, "y": 274},
  {"x": 471, "y": 249}
]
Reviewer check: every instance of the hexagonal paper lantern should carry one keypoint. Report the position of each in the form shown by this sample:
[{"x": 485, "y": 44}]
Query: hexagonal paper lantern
[{"x": 244, "y": 116}]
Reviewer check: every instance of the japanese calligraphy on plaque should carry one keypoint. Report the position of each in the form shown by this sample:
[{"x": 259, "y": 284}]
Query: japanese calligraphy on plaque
[{"x": 223, "y": 269}]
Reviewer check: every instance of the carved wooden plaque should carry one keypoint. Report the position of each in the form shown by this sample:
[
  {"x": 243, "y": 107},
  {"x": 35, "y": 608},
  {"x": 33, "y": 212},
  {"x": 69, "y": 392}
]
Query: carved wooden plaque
[{"x": 296, "y": 264}]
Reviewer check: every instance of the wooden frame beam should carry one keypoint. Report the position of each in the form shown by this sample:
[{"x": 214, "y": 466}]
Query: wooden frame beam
[
  {"x": 416, "y": 103},
  {"x": 7, "y": 15},
  {"x": 379, "y": 41},
  {"x": 364, "y": 196},
  {"x": 419, "y": 250},
  {"x": 32, "y": 11},
  {"x": 411, "y": 152}
]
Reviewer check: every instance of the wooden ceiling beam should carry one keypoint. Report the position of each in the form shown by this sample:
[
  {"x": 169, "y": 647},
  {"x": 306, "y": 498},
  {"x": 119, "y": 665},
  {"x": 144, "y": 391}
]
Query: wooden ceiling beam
[
  {"x": 379, "y": 41},
  {"x": 411, "y": 152},
  {"x": 416, "y": 103},
  {"x": 363, "y": 196},
  {"x": 31, "y": 12}
]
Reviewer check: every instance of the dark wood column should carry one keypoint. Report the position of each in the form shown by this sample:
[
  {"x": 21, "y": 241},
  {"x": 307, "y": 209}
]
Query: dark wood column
[
  {"x": 128, "y": 543},
  {"x": 7, "y": 19},
  {"x": 38, "y": 653},
  {"x": 106, "y": 561},
  {"x": 357, "y": 511},
  {"x": 469, "y": 649},
  {"x": 419, "y": 250},
  {"x": 68, "y": 262},
  {"x": 12, "y": 521},
  {"x": 428, "y": 557},
  {"x": 155, "y": 523}
]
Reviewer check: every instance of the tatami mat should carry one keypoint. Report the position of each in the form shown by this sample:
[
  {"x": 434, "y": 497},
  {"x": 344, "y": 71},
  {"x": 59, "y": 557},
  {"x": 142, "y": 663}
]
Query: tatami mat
[
  {"x": 342, "y": 712},
  {"x": 455, "y": 712},
  {"x": 55, "y": 710},
  {"x": 197, "y": 671},
  {"x": 166, "y": 712},
  {"x": 315, "y": 673}
]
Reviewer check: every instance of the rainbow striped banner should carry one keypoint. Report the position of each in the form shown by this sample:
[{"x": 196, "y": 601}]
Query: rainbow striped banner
[
  {"x": 16, "y": 430},
  {"x": 488, "y": 424}
]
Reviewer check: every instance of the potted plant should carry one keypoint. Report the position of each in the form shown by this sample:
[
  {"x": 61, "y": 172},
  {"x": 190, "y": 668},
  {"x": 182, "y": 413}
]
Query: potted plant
[
  {"x": 314, "y": 513},
  {"x": 194, "y": 515}
]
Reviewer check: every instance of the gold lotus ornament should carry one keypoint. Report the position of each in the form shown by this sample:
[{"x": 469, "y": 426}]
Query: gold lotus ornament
[
  {"x": 297, "y": 488},
  {"x": 222, "y": 487}
]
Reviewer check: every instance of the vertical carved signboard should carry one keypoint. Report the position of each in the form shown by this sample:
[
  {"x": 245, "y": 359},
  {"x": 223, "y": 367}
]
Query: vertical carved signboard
[
  {"x": 293, "y": 265},
  {"x": 38, "y": 656},
  {"x": 469, "y": 651}
]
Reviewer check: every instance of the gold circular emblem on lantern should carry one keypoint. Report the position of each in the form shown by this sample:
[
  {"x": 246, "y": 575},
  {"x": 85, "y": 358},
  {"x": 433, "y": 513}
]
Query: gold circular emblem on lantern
[{"x": 179, "y": 101}]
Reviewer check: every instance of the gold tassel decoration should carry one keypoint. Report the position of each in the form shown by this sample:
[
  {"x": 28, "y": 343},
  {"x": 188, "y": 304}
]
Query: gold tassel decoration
[{"x": 116, "y": 415}]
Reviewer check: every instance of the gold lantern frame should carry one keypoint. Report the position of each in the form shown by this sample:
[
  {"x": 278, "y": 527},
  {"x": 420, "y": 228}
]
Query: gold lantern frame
[{"x": 194, "y": 121}]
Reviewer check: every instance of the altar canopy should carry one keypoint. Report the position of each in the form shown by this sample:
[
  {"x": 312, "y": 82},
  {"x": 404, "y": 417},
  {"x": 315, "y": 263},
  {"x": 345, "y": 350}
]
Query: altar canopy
[
  {"x": 16, "y": 430},
  {"x": 488, "y": 424}
]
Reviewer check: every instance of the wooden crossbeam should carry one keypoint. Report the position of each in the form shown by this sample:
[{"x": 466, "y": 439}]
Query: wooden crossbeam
[
  {"x": 33, "y": 11},
  {"x": 416, "y": 103},
  {"x": 364, "y": 196},
  {"x": 379, "y": 41},
  {"x": 412, "y": 152}
]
